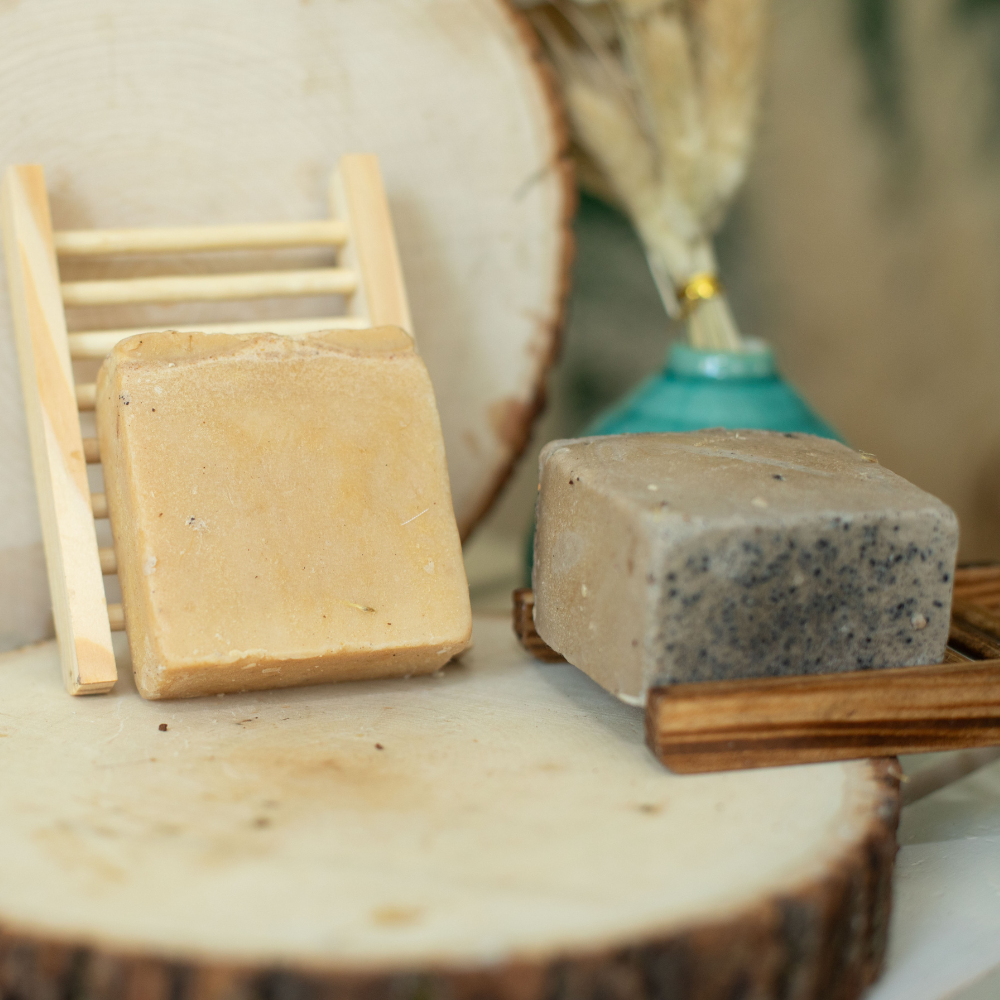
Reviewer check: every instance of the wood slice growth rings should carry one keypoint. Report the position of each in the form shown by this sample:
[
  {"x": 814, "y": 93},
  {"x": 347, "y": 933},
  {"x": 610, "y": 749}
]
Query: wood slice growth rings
[
  {"x": 496, "y": 833},
  {"x": 174, "y": 116}
]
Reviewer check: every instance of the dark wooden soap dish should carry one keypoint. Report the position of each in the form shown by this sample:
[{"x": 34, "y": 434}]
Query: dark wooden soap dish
[{"x": 764, "y": 722}]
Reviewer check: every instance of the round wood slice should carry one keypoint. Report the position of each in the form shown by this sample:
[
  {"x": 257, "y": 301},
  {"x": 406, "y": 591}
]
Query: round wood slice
[
  {"x": 149, "y": 113},
  {"x": 497, "y": 830}
]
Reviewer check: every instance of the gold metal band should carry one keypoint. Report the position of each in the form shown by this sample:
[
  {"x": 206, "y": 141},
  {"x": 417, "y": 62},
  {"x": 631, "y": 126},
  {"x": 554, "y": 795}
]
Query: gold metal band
[{"x": 699, "y": 288}]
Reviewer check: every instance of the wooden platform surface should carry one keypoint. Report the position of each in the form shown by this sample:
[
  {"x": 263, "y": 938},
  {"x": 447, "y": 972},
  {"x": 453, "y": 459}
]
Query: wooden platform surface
[{"x": 500, "y": 828}]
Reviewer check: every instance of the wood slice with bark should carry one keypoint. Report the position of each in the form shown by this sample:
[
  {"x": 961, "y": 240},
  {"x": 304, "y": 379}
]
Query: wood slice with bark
[
  {"x": 498, "y": 831},
  {"x": 152, "y": 114}
]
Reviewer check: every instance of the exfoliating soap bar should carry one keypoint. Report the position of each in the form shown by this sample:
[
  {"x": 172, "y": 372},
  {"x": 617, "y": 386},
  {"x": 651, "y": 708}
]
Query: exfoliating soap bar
[
  {"x": 281, "y": 510},
  {"x": 720, "y": 554}
]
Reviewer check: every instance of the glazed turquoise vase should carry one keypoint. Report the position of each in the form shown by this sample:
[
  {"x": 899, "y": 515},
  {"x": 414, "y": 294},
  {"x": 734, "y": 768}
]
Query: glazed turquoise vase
[{"x": 699, "y": 389}]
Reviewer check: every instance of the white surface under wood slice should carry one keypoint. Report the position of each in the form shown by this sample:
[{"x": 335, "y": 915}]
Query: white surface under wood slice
[
  {"x": 498, "y": 828},
  {"x": 151, "y": 114}
]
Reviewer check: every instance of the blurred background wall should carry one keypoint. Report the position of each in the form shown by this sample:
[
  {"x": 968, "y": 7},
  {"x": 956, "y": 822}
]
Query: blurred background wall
[{"x": 865, "y": 247}]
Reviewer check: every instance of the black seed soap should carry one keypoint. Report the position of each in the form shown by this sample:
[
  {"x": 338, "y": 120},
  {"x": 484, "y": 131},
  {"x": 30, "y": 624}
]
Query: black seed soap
[{"x": 721, "y": 554}]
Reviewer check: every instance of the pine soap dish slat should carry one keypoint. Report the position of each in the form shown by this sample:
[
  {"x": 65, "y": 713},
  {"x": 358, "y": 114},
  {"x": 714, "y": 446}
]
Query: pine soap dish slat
[
  {"x": 771, "y": 721},
  {"x": 368, "y": 276}
]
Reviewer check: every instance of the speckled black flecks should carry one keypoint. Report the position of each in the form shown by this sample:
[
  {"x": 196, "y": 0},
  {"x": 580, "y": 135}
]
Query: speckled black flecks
[{"x": 818, "y": 597}]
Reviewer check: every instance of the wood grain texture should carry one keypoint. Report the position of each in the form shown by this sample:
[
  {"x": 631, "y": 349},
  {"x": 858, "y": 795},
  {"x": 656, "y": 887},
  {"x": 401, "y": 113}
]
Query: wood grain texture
[
  {"x": 74, "y": 570},
  {"x": 765, "y": 722},
  {"x": 693, "y": 728},
  {"x": 524, "y": 628},
  {"x": 975, "y": 630},
  {"x": 258, "y": 104},
  {"x": 211, "y": 287},
  {"x": 357, "y": 195},
  {"x": 721, "y": 725},
  {"x": 507, "y": 839},
  {"x": 986, "y": 594},
  {"x": 186, "y": 239}
]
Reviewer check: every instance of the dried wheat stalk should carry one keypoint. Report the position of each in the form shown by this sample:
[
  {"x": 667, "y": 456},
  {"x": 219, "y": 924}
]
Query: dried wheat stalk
[{"x": 662, "y": 95}]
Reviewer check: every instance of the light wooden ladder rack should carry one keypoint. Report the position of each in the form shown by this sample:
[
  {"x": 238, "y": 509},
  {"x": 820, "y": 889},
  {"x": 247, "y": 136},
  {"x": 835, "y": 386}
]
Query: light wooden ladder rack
[{"x": 367, "y": 275}]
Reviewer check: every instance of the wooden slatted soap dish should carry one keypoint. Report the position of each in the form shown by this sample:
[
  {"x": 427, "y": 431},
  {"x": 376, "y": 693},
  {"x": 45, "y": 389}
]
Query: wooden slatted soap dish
[
  {"x": 367, "y": 275},
  {"x": 764, "y": 722}
]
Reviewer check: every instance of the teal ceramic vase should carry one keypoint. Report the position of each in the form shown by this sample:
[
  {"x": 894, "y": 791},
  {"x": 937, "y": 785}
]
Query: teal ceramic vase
[{"x": 699, "y": 389}]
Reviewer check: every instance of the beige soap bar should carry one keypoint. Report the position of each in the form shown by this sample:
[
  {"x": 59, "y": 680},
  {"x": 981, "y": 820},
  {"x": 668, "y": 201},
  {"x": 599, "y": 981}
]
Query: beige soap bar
[
  {"x": 281, "y": 510},
  {"x": 723, "y": 554}
]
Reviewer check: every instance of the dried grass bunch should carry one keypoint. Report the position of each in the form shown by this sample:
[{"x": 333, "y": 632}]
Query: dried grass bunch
[{"x": 663, "y": 96}]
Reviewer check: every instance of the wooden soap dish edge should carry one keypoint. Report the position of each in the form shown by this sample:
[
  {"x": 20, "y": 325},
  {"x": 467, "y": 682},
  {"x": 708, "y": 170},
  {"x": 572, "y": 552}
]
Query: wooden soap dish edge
[{"x": 772, "y": 721}]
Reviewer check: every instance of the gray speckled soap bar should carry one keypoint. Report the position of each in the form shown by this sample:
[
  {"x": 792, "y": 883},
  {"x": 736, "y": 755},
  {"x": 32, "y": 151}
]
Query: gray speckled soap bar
[{"x": 722, "y": 554}]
